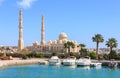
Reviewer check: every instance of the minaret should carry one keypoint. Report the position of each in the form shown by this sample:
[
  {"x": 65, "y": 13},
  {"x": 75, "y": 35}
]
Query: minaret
[
  {"x": 20, "y": 41},
  {"x": 42, "y": 32}
]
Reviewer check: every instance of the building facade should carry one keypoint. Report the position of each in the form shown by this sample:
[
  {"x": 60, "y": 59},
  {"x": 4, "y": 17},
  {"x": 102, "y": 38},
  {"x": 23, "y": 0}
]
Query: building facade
[{"x": 52, "y": 45}]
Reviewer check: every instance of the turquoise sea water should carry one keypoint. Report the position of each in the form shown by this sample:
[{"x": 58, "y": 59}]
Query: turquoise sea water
[{"x": 42, "y": 71}]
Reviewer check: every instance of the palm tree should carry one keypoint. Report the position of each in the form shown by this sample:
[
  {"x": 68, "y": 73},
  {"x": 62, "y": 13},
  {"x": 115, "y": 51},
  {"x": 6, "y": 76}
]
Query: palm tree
[
  {"x": 112, "y": 43},
  {"x": 69, "y": 45},
  {"x": 98, "y": 39},
  {"x": 83, "y": 51},
  {"x": 82, "y": 45}
]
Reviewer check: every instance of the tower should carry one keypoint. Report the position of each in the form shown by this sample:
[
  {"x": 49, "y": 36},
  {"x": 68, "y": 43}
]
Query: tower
[
  {"x": 42, "y": 32},
  {"x": 20, "y": 41}
]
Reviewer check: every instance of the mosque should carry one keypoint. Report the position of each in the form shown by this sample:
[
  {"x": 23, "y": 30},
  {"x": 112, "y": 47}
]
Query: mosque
[{"x": 51, "y": 45}]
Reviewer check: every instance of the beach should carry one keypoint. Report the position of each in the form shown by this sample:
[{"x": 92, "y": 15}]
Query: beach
[{"x": 18, "y": 61}]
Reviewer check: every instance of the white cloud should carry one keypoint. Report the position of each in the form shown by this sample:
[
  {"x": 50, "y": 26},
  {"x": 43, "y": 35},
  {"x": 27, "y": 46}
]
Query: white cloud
[
  {"x": 1, "y": 1},
  {"x": 25, "y": 3}
]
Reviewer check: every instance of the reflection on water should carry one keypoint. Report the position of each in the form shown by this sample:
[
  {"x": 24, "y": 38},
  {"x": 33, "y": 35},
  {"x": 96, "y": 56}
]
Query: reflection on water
[
  {"x": 53, "y": 66},
  {"x": 46, "y": 71},
  {"x": 84, "y": 67},
  {"x": 81, "y": 67},
  {"x": 87, "y": 67},
  {"x": 98, "y": 67},
  {"x": 74, "y": 66}
]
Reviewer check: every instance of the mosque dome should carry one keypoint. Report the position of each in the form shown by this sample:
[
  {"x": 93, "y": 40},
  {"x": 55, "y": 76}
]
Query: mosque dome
[
  {"x": 49, "y": 42},
  {"x": 62, "y": 36},
  {"x": 36, "y": 43},
  {"x": 59, "y": 41},
  {"x": 55, "y": 42}
]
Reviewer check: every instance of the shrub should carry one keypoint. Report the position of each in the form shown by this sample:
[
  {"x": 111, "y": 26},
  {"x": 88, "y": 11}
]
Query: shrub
[
  {"x": 105, "y": 56},
  {"x": 32, "y": 54},
  {"x": 62, "y": 56},
  {"x": 77, "y": 55},
  {"x": 47, "y": 55},
  {"x": 117, "y": 57},
  {"x": 16, "y": 55},
  {"x": 24, "y": 57},
  {"x": 40, "y": 55},
  {"x": 71, "y": 54},
  {"x": 54, "y": 54},
  {"x": 92, "y": 55},
  {"x": 112, "y": 54}
]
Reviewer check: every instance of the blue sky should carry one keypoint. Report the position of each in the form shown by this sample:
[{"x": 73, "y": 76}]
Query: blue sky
[{"x": 80, "y": 19}]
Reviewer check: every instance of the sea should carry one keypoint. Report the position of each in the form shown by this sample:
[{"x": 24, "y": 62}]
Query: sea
[{"x": 46, "y": 71}]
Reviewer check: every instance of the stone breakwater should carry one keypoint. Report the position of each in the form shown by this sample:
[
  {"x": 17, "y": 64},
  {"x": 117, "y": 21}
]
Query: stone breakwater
[
  {"x": 107, "y": 62},
  {"x": 5, "y": 63}
]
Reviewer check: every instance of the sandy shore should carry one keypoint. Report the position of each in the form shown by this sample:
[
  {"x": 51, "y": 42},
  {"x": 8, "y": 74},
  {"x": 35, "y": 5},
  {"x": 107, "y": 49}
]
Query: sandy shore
[{"x": 18, "y": 61}]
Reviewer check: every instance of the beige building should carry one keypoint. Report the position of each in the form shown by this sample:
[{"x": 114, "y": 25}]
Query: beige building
[{"x": 52, "y": 45}]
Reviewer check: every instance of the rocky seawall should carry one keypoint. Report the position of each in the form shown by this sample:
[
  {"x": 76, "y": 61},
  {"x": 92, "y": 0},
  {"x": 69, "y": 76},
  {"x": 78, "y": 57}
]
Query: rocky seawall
[{"x": 107, "y": 63}]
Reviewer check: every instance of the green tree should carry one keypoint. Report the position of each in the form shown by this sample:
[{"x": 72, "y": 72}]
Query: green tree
[
  {"x": 69, "y": 45},
  {"x": 92, "y": 55},
  {"x": 83, "y": 51},
  {"x": 98, "y": 39},
  {"x": 112, "y": 54},
  {"x": 82, "y": 45},
  {"x": 54, "y": 54},
  {"x": 111, "y": 43},
  {"x": 117, "y": 57},
  {"x": 106, "y": 56}
]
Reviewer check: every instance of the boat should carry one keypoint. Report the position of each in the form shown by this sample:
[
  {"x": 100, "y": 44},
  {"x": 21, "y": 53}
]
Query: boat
[
  {"x": 95, "y": 64},
  {"x": 70, "y": 61},
  {"x": 84, "y": 61},
  {"x": 43, "y": 62},
  {"x": 54, "y": 60}
]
